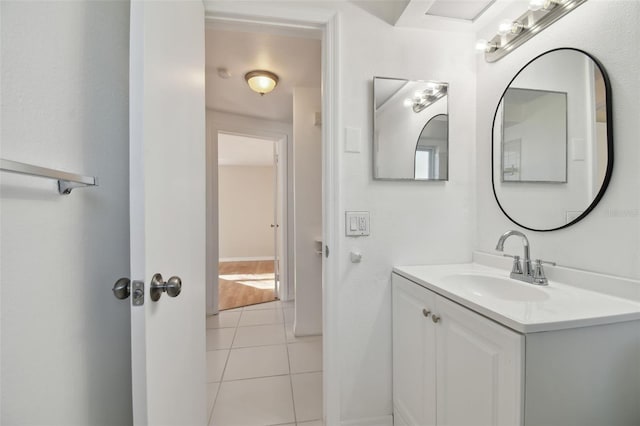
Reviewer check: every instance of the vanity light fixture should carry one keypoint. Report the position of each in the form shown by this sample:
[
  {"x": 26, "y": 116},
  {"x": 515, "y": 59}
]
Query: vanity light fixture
[
  {"x": 261, "y": 81},
  {"x": 514, "y": 32}
]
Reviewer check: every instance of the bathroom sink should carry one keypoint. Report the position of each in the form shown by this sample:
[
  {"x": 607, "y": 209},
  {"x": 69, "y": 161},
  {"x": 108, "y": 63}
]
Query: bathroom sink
[
  {"x": 495, "y": 286},
  {"x": 523, "y": 307}
]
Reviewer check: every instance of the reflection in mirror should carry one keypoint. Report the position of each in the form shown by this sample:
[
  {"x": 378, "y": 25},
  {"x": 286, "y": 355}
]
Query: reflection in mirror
[
  {"x": 410, "y": 129},
  {"x": 552, "y": 143},
  {"x": 431, "y": 150},
  {"x": 534, "y": 136}
]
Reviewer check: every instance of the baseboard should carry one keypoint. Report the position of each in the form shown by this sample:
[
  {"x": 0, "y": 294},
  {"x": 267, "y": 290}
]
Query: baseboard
[
  {"x": 245, "y": 259},
  {"x": 370, "y": 421}
]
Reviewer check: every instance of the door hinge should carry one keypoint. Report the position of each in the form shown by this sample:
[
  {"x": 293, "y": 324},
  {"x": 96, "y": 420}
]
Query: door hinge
[{"x": 326, "y": 251}]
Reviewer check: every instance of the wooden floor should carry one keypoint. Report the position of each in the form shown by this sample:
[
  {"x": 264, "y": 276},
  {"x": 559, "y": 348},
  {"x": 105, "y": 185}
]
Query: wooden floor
[{"x": 240, "y": 283}]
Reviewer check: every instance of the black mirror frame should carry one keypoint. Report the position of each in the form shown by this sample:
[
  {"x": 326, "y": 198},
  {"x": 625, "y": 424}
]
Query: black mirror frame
[{"x": 607, "y": 177}]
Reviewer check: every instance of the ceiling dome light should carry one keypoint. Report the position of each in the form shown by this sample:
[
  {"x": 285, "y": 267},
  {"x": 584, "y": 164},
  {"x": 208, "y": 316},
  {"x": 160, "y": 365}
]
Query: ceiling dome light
[{"x": 261, "y": 81}]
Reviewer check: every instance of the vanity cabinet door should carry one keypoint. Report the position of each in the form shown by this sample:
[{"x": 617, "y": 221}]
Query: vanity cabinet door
[
  {"x": 479, "y": 369},
  {"x": 452, "y": 366},
  {"x": 414, "y": 355}
]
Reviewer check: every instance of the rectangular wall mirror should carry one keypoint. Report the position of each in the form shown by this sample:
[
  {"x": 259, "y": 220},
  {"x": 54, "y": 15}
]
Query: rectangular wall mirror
[
  {"x": 411, "y": 129},
  {"x": 534, "y": 136}
]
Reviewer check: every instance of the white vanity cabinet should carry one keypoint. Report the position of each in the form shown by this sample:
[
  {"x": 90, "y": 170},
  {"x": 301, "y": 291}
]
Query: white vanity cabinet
[{"x": 452, "y": 366}]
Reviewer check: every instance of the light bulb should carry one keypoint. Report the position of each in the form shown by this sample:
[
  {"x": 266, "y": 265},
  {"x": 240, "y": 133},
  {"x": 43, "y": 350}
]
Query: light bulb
[
  {"x": 504, "y": 27},
  {"x": 542, "y": 4},
  {"x": 486, "y": 46},
  {"x": 516, "y": 28},
  {"x": 482, "y": 44},
  {"x": 536, "y": 4}
]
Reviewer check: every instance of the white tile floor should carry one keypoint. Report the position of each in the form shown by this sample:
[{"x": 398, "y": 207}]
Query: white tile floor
[{"x": 258, "y": 373}]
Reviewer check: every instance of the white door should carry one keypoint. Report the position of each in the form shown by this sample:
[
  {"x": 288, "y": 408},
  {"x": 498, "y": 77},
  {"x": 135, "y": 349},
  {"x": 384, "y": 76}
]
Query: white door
[{"x": 167, "y": 207}]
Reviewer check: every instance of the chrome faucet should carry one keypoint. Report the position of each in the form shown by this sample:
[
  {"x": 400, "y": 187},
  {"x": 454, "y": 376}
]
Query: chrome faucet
[{"x": 525, "y": 272}]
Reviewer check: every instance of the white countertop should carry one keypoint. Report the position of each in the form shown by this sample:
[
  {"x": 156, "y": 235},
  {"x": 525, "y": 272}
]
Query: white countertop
[{"x": 559, "y": 306}]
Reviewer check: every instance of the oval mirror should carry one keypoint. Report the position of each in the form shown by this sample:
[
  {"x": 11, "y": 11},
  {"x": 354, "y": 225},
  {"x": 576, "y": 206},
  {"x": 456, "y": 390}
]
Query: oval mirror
[{"x": 552, "y": 150}]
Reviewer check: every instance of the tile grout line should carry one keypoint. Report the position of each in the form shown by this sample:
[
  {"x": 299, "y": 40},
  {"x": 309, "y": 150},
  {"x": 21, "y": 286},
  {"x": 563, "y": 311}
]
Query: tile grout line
[
  {"x": 293, "y": 400},
  {"x": 224, "y": 369}
]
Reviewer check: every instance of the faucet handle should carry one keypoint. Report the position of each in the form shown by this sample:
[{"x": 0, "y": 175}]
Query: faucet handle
[
  {"x": 539, "y": 277},
  {"x": 517, "y": 267}
]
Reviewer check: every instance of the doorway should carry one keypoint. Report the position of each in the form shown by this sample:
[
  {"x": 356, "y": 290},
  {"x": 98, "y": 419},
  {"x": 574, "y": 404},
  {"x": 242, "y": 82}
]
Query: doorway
[
  {"x": 271, "y": 351},
  {"x": 250, "y": 206}
]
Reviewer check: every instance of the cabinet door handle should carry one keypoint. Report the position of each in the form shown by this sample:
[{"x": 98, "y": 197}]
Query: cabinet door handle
[
  {"x": 426, "y": 312},
  {"x": 435, "y": 318}
]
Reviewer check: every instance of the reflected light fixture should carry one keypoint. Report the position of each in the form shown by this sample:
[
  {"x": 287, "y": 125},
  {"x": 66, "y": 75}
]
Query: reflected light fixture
[
  {"x": 261, "y": 81},
  {"x": 423, "y": 98}
]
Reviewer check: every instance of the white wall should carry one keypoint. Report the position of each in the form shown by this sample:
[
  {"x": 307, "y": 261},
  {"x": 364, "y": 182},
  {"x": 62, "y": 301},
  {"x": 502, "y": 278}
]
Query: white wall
[
  {"x": 65, "y": 338},
  {"x": 607, "y": 240},
  {"x": 307, "y": 151},
  {"x": 246, "y": 208},
  {"x": 411, "y": 222}
]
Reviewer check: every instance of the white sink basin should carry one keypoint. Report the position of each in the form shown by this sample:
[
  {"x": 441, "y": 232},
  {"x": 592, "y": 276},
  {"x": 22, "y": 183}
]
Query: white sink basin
[
  {"x": 485, "y": 285},
  {"x": 521, "y": 306}
]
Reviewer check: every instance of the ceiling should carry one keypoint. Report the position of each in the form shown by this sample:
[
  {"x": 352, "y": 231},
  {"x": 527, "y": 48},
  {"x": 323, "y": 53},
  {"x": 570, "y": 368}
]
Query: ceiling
[
  {"x": 293, "y": 55},
  {"x": 442, "y": 15},
  {"x": 235, "y": 150}
]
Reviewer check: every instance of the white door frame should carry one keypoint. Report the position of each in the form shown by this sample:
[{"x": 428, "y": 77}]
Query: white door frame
[
  {"x": 327, "y": 21},
  {"x": 278, "y": 138}
]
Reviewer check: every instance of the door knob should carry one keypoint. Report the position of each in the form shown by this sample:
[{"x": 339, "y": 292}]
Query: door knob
[
  {"x": 121, "y": 289},
  {"x": 172, "y": 287}
]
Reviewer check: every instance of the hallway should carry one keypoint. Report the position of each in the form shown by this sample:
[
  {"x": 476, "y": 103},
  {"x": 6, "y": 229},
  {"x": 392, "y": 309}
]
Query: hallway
[{"x": 258, "y": 373}]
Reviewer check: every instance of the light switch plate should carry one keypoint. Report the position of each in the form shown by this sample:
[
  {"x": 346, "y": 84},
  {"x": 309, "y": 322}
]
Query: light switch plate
[
  {"x": 352, "y": 139},
  {"x": 356, "y": 224},
  {"x": 578, "y": 149}
]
